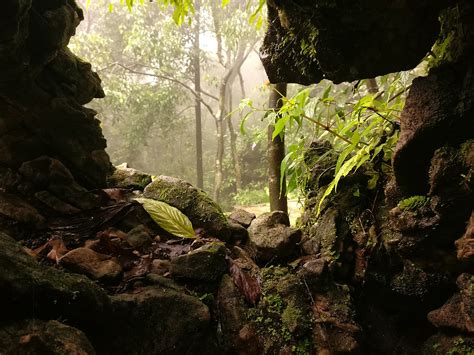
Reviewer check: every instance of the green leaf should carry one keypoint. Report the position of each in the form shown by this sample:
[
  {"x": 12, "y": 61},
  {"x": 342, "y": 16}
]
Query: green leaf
[
  {"x": 279, "y": 126},
  {"x": 168, "y": 217}
]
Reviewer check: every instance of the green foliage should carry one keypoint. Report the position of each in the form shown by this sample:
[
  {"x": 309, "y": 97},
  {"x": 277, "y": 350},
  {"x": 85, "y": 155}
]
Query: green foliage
[
  {"x": 363, "y": 128},
  {"x": 413, "y": 203},
  {"x": 461, "y": 348},
  {"x": 168, "y": 217},
  {"x": 252, "y": 195}
]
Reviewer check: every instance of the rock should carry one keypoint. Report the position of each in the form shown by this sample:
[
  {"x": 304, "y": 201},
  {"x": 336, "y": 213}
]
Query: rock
[
  {"x": 128, "y": 178},
  {"x": 19, "y": 210},
  {"x": 157, "y": 320},
  {"x": 335, "y": 329},
  {"x": 325, "y": 37},
  {"x": 139, "y": 237},
  {"x": 51, "y": 293},
  {"x": 232, "y": 315},
  {"x": 206, "y": 263},
  {"x": 323, "y": 235},
  {"x": 420, "y": 289},
  {"x": 55, "y": 203},
  {"x": 465, "y": 245},
  {"x": 272, "y": 238},
  {"x": 239, "y": 234},
  {"x": 242, "y": 217},
  {"x": 442, "y": 344},
  {"x": 194, "y": 203},
  {"x": 160, "y": 267},
  {"x": 314, "y": 272},
  {"x": 92, "y": 264},
  {"x": 430, "y": 111},
  {"x": 40, "y": 337},
  {"x": 458, "y": 312},
  {"x": 45, "y": 173}
]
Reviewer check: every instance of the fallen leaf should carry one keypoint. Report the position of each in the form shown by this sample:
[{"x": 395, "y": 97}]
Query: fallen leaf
[
  {"x": 248, "y": 285},
  {"x": 58, "y": 249}
]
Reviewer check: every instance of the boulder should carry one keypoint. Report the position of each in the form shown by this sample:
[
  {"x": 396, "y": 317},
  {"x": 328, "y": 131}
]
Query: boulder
[
  {"x": 193, "y": 202},
  {"x": 242, "y": 217},
  {"x": 92, "y": 264},
  {"x": 272, "y": 238},
  {"x": 206, "y": 263},
  {"x": 458, "y": 312},
  {"x": 465, "y": 245},
  {"x": 157, "y": 320},
  {"x": 128, "y": 178},
  {"x": 43, "y": 337},
  {"x": 31, "y": 289},
  {"x": 17, "y": 209}
]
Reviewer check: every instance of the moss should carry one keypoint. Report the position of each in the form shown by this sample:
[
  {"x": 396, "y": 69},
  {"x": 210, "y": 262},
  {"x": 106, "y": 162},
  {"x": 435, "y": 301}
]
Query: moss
[
  {"x": 413, "y": 203},
  {"x": 461, "y": 348},
  {"x": 450, "y": 45},
  {"x": 280, "y": 317}
]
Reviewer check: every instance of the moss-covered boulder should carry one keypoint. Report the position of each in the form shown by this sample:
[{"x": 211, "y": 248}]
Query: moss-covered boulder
[
  {"x": 40, "y": 337},
  {"x": 128, "y": 178},
  {"x": 193, "y": 202}
]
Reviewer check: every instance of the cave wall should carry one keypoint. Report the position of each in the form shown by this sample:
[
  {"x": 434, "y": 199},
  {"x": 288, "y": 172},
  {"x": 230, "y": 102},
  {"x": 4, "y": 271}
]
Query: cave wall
[
  {"x": 405, "y": 250},
  {"x": 43, "y": 87}
]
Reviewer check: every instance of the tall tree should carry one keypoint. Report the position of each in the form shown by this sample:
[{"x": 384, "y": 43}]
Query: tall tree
[
  {"x": 276, "y": 154},
  {"x": 198, "y": 99}
]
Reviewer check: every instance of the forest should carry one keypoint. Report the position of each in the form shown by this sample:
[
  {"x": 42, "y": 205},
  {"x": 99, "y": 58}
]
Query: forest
[{"x": 236, "y": 177}]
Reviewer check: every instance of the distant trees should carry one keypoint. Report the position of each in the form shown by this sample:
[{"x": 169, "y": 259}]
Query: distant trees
[{"x": 155, "y": 73}]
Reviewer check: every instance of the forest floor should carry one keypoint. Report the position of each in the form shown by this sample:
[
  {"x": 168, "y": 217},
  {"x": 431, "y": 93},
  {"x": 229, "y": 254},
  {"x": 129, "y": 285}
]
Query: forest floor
[{"x": 294, "y": 209}]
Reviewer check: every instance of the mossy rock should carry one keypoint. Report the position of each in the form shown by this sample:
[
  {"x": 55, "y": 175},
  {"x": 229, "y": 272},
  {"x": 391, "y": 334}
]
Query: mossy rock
[
  {"x": 40, "y": 337},
  {"x": 193, "y": 202},
  {"x": 206, "y": 263},
  {"x": 30, "y": 289},
  {"x": 128, "y": 178}
]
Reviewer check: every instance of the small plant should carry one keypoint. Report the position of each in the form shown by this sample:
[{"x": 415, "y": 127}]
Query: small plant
[{"x": 413, "y": 203}]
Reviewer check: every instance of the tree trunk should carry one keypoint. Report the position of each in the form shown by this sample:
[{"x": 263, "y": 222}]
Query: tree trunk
[
  {"x": 233, "y": 148},
  {"x": 197, "y": 105},
  {"x": 276, "y": 153},
  {"x": 372, "y": 86},
  {"x": 220, "y": 141}
]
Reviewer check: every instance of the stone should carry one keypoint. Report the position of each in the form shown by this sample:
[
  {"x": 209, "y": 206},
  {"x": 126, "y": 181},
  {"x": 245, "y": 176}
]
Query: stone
[
  {"x": 128, "y": 178},
  {"x": 45, "y": 173},
  {"x": 239, "y": 234},
  {"x": 28, "y": 286},
  {"x": 43, "y": 337},
  {"x": 314, "y": 272},
  {"x": 55, "y": 203},
  {"x": 335, "y": 330},
  {"x": 465, "y": 245},
  {"x": 325, "y": 38},
  {"x": 157, "y": 320},
  {"x": 206, "y": 263},
  {"x": 242, "y": 217},
  {"x": 458, "y": 312},
  {"x": 139, "y": 237},
  {"x": 92, "y": 264},
  {"x": 19, "y": 210},
  {"x": 202, "y": 211},
  {"x": 272, "y": 237},
  {"x": 160, "y": 267},
  {"x": 232, "y": 314},
  {"x": 435, "y": 105}
]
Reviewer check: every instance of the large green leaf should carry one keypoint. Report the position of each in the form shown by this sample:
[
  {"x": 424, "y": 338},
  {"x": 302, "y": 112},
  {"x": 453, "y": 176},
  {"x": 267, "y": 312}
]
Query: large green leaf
[{"x": 168, "y": 217}]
